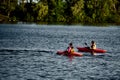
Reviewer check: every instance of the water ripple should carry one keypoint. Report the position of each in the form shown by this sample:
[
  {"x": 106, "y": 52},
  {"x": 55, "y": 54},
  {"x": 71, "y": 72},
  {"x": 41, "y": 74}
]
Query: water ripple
[{"x": 29, "y": 53}]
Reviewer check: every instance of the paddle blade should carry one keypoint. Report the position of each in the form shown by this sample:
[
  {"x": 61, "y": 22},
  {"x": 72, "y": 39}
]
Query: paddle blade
[{"x": 85, "y": 43}]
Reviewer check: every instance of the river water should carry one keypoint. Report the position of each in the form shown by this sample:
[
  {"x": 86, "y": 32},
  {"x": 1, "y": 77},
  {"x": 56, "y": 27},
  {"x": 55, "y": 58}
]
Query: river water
[{"x": 28, "y": 52}]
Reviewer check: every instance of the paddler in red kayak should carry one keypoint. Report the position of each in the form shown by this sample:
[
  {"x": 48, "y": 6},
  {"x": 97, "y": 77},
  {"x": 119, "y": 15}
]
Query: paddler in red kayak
[
  {"x": 93, "y": 46},
  {"x": 70, "y": 49}
]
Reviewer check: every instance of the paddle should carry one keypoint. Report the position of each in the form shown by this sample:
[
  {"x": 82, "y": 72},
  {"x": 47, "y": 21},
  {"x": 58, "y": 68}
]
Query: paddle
[
  {"x": 92, "y": 51},
  {"x": 87, "y": 46}
]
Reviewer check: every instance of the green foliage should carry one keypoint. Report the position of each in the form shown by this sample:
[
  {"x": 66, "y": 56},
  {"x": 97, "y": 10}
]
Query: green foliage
[
  {"x": 67, "y": 11},
  {"x": 59, "y": 11},
  {"x": 42, "y": 11},
  {"x": 78, "y": 11},
  {"x": 7, "y": 6},
  {"x": 100, "y": 10}
]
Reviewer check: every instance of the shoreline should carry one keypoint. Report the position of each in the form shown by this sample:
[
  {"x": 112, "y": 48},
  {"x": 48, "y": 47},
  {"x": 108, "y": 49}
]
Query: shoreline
[{"x": 61, "y": 23}]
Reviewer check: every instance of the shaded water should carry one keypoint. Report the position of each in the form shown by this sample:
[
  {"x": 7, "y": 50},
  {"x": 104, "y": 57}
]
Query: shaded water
[{"x": 28, "y": 52}]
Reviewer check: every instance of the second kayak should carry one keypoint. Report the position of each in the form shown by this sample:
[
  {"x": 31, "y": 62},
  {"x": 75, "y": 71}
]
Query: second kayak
[{"x": 85, "y": 49}]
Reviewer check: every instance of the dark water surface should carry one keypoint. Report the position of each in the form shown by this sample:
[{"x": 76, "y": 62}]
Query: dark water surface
[{"x": 28, "y": 52}]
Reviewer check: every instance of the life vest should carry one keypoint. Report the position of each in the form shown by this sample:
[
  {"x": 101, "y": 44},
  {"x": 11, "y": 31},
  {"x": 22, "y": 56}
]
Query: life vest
[
  {"x": 93, "y": 46},
  {"x": 70, "y": 50}
]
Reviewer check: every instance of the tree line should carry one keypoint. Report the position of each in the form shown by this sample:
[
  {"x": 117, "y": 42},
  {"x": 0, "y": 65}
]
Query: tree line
[{"x": 65, "y": 11}]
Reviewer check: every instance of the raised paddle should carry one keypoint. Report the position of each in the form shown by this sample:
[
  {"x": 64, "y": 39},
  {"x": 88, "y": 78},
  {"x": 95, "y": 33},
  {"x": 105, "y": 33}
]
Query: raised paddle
[{"x": 87, "y": 46}]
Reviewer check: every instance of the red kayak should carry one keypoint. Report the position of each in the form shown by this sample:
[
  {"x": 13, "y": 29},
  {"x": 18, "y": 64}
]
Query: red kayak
[
  {"x": 86, "y": 49},
  {"x": 66, "y": 53}
]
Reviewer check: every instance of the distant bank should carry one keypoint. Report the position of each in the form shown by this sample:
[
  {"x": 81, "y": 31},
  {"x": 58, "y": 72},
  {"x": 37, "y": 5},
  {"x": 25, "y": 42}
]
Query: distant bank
[{"x": 6, "y": 20}]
